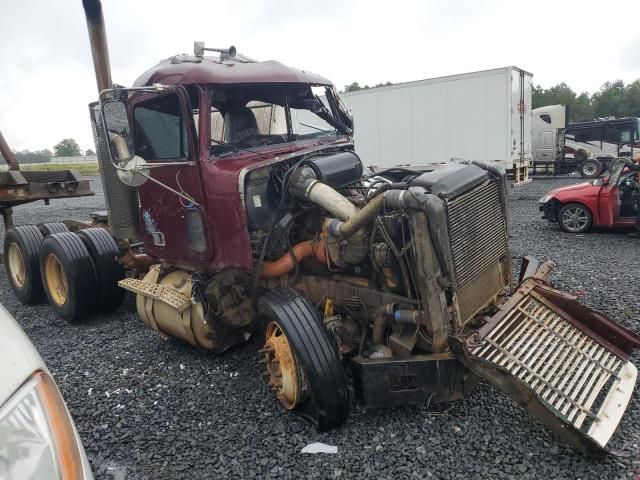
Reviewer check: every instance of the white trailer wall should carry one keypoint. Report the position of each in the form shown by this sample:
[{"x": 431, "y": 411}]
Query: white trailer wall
[{"x": 460, "y": 117}]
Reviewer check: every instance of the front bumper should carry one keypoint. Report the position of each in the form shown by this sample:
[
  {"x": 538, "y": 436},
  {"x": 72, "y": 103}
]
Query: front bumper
[{"x": 549, "y": 211}]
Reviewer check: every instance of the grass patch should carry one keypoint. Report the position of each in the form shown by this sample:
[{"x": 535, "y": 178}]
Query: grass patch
[{"x": 83, "y": 168}]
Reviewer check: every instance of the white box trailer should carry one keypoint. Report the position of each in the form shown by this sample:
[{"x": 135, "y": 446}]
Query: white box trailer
[{"x": 484, "y": 116}]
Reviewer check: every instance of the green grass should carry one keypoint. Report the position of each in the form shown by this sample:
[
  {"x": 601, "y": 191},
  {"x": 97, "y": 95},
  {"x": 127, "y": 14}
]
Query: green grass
[{"x": 83, "y": 168}]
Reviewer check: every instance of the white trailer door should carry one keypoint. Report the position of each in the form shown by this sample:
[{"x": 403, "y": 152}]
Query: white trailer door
[{"x": 521, "y": 93}]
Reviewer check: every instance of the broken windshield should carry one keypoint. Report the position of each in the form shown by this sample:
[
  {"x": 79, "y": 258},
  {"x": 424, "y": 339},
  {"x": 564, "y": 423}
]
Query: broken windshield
[{"x": 249, "y": 117}]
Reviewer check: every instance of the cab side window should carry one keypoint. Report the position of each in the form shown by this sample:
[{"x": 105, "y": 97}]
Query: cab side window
[
  {"x": 618, "y": 134},
  {"x": 160, "y": 131},
  {"x": 588, "y": 134},
  {"x": 546, "y": 118}
]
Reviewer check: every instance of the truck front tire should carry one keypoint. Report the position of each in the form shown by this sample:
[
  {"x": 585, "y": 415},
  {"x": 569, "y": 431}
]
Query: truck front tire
[{"x": 302, "y": 361}]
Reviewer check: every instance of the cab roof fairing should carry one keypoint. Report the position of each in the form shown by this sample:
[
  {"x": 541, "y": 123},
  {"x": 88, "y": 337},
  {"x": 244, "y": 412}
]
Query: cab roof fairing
[{"x": 185, "y": 70}]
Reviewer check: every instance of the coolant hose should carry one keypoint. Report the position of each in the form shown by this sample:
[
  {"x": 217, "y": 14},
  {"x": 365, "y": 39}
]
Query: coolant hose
[{"x": 286, "y": 263}]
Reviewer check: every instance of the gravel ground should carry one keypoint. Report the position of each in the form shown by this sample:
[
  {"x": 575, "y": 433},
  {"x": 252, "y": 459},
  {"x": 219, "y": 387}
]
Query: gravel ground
[{"x": 148, "y": 408}]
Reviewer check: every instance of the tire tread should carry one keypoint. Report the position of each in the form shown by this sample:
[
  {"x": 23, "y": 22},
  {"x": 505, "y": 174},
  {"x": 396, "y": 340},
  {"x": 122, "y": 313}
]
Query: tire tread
[{"x": 316, "y": 352}]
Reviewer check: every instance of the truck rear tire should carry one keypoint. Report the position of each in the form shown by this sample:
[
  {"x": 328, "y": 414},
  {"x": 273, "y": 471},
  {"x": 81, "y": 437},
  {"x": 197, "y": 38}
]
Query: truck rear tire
[
  {"x": 68, "y": 276},
  {"x": 21, "y": 247},
  {"x": 49, "y": 228},
  {"x": 591, "y": 168},
  {"x": 303, "y": 365},
  {"x": 104, "y": 253}
]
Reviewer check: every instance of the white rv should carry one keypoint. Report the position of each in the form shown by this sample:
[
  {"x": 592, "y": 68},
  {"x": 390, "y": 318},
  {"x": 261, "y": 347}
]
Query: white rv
[{"x": 587, "y": 147}]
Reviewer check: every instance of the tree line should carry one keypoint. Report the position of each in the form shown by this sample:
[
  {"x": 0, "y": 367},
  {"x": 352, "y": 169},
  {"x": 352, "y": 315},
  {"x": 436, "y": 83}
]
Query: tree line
[
  {"x": 67, "y": 147},
  {"x": 612, "y": 99}
]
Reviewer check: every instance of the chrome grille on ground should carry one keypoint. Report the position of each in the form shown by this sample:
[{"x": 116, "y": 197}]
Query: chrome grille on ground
[
  {"x": 478, "y": 235},
  {"x": 575, "y": 376}
]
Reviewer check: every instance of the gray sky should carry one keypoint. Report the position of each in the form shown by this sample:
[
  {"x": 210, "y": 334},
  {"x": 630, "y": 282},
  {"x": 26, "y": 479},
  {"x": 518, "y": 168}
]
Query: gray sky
[{"x": 46, "y": 74}]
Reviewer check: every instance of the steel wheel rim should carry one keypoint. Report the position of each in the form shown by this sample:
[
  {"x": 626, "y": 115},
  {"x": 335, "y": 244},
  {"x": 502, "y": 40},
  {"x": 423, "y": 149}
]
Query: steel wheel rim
[
  {"x": 15, "y": 261},
  {"x": 589, "y": 169},
  {"x": 56, "y": 280},
  {"x": 575, "y": 219},
  {"x": 282, "y": 372}
]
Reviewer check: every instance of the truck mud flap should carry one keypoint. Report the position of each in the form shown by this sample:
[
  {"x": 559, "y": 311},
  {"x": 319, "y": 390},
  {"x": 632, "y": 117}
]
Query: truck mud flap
[{"x": 565, "y": 364}]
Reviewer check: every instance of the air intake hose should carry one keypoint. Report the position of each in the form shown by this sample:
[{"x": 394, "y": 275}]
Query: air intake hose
[
  {"x": 354, "y": 223},
  {"x": 349, "y": 222}
]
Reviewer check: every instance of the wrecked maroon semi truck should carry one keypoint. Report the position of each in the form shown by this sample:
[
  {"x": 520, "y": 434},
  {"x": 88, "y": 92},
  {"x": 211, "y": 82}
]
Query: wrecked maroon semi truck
[{"x": 236, "y": 202}]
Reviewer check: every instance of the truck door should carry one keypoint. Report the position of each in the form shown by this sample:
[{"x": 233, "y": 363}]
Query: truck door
[
  {"x": 544, "y": 138},
  {"x": 172, "y": 203},
  {"x": 609, "y": 201}
]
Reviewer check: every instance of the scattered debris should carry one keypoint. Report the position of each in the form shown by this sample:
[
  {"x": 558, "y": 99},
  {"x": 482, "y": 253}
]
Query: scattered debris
[{"x": 318, "y": 447}]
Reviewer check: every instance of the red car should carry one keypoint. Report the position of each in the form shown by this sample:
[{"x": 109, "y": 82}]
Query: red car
[{"x": 603, "y": 202}]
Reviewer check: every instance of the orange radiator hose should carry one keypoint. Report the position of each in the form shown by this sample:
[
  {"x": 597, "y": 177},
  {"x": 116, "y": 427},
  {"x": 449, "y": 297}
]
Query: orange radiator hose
[{"x": 285, "y": 263}]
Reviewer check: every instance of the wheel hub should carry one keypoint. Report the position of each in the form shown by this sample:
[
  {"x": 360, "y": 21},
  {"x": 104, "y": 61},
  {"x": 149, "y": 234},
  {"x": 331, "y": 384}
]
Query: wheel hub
[
  {"x": 575, "y": 219},
  {"x": 56, "y": 279},
  {"x": 15, "y": 261},
  {"x": 589, "y": 169},
  {"x": 282, "y": 372}
]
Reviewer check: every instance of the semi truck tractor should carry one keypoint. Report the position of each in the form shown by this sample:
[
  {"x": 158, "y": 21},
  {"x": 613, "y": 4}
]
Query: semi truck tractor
[
  {"x": 589, "y": 147},
  {"x": 226, "y": 217}
]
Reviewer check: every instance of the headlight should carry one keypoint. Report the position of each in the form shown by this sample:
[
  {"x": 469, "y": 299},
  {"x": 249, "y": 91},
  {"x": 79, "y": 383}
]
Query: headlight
[
  {"x": 37, "y": 439},
  {"x": 545, "y": 199}
]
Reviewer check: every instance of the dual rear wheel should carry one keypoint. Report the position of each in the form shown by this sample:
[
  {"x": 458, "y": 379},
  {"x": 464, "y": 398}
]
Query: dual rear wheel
[{"x": 77, "y": 273}]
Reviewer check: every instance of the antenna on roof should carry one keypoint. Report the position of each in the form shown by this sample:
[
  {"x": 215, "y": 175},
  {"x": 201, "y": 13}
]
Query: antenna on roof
[{"x": 199, "y": 49}]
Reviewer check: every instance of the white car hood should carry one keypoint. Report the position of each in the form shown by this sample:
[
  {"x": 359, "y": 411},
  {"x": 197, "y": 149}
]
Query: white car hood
[{"x": 18, "y": 358}]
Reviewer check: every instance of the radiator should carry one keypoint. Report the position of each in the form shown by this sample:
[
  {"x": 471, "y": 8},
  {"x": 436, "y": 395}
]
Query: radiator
[{"x": 478, "y": 236}]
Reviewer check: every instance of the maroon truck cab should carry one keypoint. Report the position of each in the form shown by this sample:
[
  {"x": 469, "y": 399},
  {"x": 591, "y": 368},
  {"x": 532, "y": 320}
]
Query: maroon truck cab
[{"x": 259, "y": 116}]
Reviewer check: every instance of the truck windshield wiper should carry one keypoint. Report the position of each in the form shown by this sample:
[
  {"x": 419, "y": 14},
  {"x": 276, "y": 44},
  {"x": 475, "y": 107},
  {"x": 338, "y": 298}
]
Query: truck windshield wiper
[
  {"x": 233, "y": 147},
  {"x": 316, "y": 128}
]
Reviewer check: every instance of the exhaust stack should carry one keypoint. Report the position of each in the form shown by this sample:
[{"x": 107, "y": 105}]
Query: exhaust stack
[
  {"x": 121, "y": 200},
  {"x": 98, "y": 41}
]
